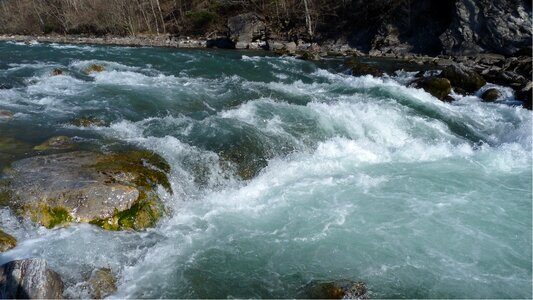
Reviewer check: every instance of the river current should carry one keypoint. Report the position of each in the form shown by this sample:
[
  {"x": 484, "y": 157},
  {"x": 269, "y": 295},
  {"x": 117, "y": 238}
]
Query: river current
[{"x": 351, "y": 178}]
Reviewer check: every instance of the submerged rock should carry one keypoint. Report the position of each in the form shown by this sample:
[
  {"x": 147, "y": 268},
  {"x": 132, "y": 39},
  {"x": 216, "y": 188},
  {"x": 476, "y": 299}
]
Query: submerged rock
[
  {"x": 439, "y": 88},
  {"x": 337, "y": 290},
  {"x": 102, "y": 283},
  {"x": 462, "y": 78},
  {"x": 94, "y": 68},
  {"x": 86, "y": 122},
  {"x": 29, "y": 279},
  {"x": 113, "y": 191},
  {"x": 57, "y": 72},
  {"x": 360, "y": 69},
  {"x": 5, "y": 115},
  {"x": 491, "y": 95},
  {"x": 56, "y": 143},
  {"x": 6, "y": 241}
]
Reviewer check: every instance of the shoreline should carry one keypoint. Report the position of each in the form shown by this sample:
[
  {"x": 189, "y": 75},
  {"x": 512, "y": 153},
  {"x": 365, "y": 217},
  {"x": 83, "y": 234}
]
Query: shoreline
[{"x": 514, "y": 72}]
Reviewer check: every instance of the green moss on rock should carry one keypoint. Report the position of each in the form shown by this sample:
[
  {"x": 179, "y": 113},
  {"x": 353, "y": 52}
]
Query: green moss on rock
[
  {"x": 6, "y": 241},
  {"x": 47, "y": 216}
]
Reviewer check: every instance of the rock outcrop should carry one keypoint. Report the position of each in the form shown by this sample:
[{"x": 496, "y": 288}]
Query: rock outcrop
[
  {"x": 244, "y": 29},
  {"x": 56, "y": 143},
  {"x": 502, "y": 26},
  {"x": 114, "y": 191},
  {"x": 6, "y": 241},
  {"x": 464, "y": 80},
  {"x": 29, "y": 279},
  {"x": 102, "y": 283},
  {"x": 358, "y": 68},
  {"x": 439, "y": 88}
]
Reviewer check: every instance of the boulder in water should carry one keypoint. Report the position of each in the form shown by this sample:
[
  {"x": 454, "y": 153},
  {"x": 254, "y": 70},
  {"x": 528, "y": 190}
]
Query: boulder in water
[
  {"x": 337, "y": 290},
  {"x": 57, "y": 72},
  {"x": 102, "y": 283},
  {"x": 56, "y": 143},
  {"x": 87, "y": 122},
  {"x": 29, "y": 279},
  {"x": 6, "y": 241},
  {"x": 491, "y": 95},
  {"x": 94, "y": 68},
  {"x": 439, "y": 88},
  {"x": 5, "y": 115},
  {"x": 525, "y": 94},
  {"x": 360, "y": 69},
  {"x": 462, "y": 78},
  {"x": 113, "y": 191}
]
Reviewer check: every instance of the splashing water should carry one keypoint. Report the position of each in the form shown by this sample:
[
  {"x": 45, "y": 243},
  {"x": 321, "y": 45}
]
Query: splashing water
[{"x": 354, "y": 178}]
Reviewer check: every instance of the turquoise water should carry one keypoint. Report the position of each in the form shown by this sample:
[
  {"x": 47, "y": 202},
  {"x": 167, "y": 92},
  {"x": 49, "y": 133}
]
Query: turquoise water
[{"x": 354, "y": 178}]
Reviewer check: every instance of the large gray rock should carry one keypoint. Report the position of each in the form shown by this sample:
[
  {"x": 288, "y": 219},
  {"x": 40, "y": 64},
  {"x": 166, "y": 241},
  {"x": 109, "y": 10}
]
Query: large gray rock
[
  {"x": 114, "y": 191},
  {"x": 502, "y": 26},
  {"x": 29, "y": 279},
  {"x": 244, "y": 29}
]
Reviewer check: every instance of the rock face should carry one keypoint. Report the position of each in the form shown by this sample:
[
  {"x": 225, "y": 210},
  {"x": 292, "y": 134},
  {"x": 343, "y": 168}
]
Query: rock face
[
  {"x": 102, "y": 283},
  {"x": 439, "y": 88},
  {"x": 244, "y": 29},
  {"x": 6, "y": 241},
  {"x": 29, "y": 279},
  {"x": 502, "y": 26},
  {"x": 466, "y": 80},
  {"x": 115, "y": 191},
  {"x": 337, "y": 290}
]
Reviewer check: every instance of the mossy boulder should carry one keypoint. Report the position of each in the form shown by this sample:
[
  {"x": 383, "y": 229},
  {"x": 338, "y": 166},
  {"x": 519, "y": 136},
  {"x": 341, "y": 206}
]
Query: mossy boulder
[
  {"x": 94, "y": 68},
  {"x": 56, "y": 143},
  {"x": 86, "y": 122},
  {"x": 57, "y": 72},
  {"x": 310, "y": 55},
  {"x": 491, "y": 95},
  {"x": 336, "y": 290},
  {"x": 466, "y": 80},
  {"x": 102, "y": 283},
  {"x": 114, "y": 191},
  {"x": 6, "y": 241},
  {"x": 439, "y": 88},
  {"x": 358, "y": 68}
]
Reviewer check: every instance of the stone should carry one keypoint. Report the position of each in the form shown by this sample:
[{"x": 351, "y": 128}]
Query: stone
[
  {"x": 57, "y": 72},
  {"x": 361, "y": 69},
  {"x": 310, "y": 55},
  {"x": 491, "y": 95},
  {"x": 337, "y": 290},
  {"x": 87, "y": 122},
  {"x": 461, "y": 77},
  {"x": 102, "y": 283},
  {"x": 439, "y": 88},
  {"x": 29, "y": 279},
  {"x": 56, "y": 143},
  {"x": 7, "y": 242},
  {"x": 94, "y": 68},
  {"x": 5, "y": 115},
  {"x": 114, "y": 191},
  {"x": 524, "y": 94},
  {"x": 244, "y": 29}
]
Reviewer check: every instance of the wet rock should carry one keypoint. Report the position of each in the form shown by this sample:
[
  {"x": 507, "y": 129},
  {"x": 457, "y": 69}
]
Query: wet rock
[
  {"x": 56, "y": 143},
  {"x": 491, "y": 95},
  {"x": 439, "y": 88},
  {"x": 29, "y": 279},
  {"x": 94, "y": 68},
  {"x": 463, "y": 78},
  {"x": 57, "y": 72},
  {"x": 525, "y": 94},
  {"x": 337, "y": 290},
  {"x": 360, "y": 69},
  {"x": 244, "y": 29},
  {"x": 310, "y": 55},
  {"x": 11, "y": 145},
  {"x": 113, "y": 191},
  {"x": 6, "y": 241},
  {"x": 86, "y": 122},
  {"x": 5, "y": 115},
  {"x": 102, "y": 283}
]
